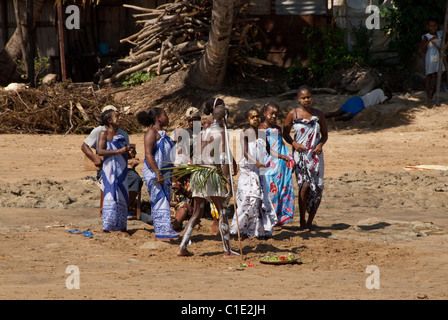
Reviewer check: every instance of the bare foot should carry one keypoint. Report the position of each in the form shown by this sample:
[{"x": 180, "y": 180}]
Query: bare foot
[{"x": 184, "y": 253}]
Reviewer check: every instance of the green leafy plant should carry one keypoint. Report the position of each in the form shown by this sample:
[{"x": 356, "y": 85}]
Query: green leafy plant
[
  {"x": 41, "y": 64},
  {"x": 327, "y": 51},
  {"x": 137, "y": 78},
  {"x": 407, "y": 22}
]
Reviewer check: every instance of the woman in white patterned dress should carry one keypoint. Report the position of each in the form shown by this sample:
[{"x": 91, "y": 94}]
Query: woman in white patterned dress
[
  {"x": 256, "y": 217},
  {"x": 310, "y": 134}
]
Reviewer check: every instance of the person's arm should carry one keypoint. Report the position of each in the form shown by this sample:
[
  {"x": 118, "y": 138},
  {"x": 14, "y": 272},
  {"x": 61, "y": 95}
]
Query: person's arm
[
  {"x": 272, "y": 152},
  {"x": 323, "y": 133},
  {"x": 423, "y": 45},
  {"x": 150, "y": 140},
  {"x": 245, "y": 137},
  {"x": 96, "y": 159},
  {"x": 102, "y": 146},
  {"x": 287, "y": 130}
]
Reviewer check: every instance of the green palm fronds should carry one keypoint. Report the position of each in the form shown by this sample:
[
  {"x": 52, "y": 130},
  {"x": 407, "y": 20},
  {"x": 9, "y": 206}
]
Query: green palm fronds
[{"x": 200, "y": 175}]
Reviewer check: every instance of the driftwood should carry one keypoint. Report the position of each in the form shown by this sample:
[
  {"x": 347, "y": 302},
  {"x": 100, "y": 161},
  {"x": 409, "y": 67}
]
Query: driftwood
[
  {"x": 61, "y": 109},
  {"x": 173, "y": 36}
]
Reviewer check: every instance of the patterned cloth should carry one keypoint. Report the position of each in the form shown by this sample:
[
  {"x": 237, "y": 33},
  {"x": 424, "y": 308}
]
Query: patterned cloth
[
  {"x": 114, "y": 177},
  {"x": 182, "y": 197},
  {"x": 279, "y": 177},
  {"x": 256, "y": 217},
  {"x": 160, "y": 194},
  {"x": 309, "y": 167}
]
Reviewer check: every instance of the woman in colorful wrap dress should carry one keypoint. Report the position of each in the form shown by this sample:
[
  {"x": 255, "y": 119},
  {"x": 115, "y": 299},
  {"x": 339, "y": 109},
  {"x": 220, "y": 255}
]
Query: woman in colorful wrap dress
[
  {"x": 278, "y": 172},
  {"x": 159, "y": 154},
  {"x": 112, "y": 146},
  {"x": 310, "y": 134}
]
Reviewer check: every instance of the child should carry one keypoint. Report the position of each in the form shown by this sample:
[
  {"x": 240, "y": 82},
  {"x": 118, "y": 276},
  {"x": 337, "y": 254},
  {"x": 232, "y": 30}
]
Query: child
[
  {"x": 279, "y": 169},
  {"x": 158, "y": 146},
  {"x": 212, "y": 136},
  {"x": 181, "y": 206},
  {"x": 431, "y": 44},
  {"x": 310, "y": 134},
  {"x": 112, "y": 146},
  {"x": 135, "y": 184},
  {"x": 256, "y": 217}
]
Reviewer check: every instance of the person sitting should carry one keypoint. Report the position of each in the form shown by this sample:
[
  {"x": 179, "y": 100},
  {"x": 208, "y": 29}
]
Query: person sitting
[{"x": 354, "y": 105}]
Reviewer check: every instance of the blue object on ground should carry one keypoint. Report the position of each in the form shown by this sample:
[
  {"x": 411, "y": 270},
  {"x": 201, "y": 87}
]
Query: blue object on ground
[{"x": 87, "y": 234}]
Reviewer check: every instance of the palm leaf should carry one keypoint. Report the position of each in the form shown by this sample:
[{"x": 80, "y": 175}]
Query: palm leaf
[{"x": 200, "y": 175}]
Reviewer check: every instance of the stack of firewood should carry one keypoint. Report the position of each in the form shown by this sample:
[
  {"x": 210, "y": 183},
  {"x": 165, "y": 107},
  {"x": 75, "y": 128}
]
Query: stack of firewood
[{"x": 173, "y": 36}]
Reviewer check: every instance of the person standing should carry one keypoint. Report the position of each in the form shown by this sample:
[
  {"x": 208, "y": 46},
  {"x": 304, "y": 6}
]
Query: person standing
[
  {"x": 158, "y": 156},
  {"x": 310, "y": 135},
  {"x": 90, "y": 148},
  {"x": 431, "y": 45},
  {"x": 278, "y": 173},
  {"x": 112, "y": 146},
  {"x": 254, "y": 216}
]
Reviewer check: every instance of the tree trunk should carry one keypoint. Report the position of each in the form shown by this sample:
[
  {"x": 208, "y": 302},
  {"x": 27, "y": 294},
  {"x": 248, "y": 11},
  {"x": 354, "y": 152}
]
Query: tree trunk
[
  {"x": 13, "y": 48},
  {"x": 209, "y": 72}
]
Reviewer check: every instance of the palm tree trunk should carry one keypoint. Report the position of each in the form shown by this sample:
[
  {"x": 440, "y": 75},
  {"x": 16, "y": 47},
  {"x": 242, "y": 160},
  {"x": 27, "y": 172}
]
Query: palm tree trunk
[
  {"x": 13, "y": 48},
  {"x": 209, "y": 72}
]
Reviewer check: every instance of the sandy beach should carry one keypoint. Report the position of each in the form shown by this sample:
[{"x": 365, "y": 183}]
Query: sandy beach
[{"x": 374, "y": 212}]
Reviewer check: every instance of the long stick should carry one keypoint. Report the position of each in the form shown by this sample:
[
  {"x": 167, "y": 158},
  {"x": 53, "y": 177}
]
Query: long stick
[{"x": 233, "y": 189}]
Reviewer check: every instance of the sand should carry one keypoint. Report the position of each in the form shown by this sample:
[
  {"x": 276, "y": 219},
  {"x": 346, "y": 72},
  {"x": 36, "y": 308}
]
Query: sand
[{"x": 374, "y": 212}]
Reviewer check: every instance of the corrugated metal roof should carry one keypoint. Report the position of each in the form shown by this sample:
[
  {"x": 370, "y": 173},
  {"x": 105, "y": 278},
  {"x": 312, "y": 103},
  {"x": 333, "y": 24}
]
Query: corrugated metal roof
[{"x": 300, "y": 7}]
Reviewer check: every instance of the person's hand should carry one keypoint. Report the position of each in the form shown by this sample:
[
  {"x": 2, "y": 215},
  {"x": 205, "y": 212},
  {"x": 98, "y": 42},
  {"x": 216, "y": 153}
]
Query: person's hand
[
  {"x": 124, "y": 150},
  {"x": 318, "y": 149},
  {"x": 98, "y": 162},
  {"x": 284, "y": 158},
  {"x": 160, "y": 178},
  {"x": 260, "y": 165},
  {"x": 298, "y": 147}
]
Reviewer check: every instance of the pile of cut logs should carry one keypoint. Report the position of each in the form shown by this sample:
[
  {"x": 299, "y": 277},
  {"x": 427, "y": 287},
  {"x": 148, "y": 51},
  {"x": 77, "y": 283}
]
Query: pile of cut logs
[{"x": 173, "y": 36}]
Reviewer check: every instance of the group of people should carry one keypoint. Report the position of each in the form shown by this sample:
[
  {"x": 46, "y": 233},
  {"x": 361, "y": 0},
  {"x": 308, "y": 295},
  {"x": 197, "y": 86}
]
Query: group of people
[{"x": 264, "y": 199}]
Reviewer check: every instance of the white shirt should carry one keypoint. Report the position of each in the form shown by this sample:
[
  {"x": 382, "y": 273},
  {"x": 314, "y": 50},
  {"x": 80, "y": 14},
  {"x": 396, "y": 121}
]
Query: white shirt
[
  {"x": 374, "y": 97},
  {"x": 92, "y": 139}
]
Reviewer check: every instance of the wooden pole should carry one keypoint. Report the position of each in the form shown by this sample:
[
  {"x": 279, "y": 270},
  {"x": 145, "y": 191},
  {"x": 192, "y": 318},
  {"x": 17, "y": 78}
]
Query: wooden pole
[
  {"x": 31, "y": 43},
  {"x": 61, "y": 43},
  {"x": 231, "y": 185},
  {"x": 441, "y": 56}
]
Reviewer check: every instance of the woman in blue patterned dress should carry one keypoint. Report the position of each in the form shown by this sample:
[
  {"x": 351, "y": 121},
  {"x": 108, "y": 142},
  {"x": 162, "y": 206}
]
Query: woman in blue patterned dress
[
  {"x": 159, "y": 154},
  {"x": 112, "y": 146},
  {"x": 278, "y": 172},
  {"x": 310, "y": 134}
]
